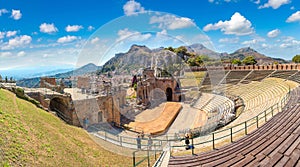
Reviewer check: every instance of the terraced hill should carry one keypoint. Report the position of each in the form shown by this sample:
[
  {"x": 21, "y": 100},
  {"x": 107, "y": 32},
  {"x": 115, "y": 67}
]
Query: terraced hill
[{"x": 32, "y": 137}]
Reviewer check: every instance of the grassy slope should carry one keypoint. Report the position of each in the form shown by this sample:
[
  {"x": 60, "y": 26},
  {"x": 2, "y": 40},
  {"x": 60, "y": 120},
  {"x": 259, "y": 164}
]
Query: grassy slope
[{"x": 32, "y": 137}]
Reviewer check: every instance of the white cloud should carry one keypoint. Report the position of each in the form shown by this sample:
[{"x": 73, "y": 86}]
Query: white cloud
[
  {"x": 5, "y": 54},
  {"x": 273, "y": 33},
  {"x": 95, "y": 40},
  {"x": 19, "y": 41},
  {"x": 2, "y": 35},
  {"x": 11, "y": 33},
  {"x": 48, "y": 28},
  {"x": 3, "y": 11},
  {"x": 264, "y": 45},
  {"x": 16, "y": 14},
  {"x": 73, "y": 28},
  {"x": 211, "y": 1},
  {"x": 256, "y": 2},
  {"x": 132, "y": 35},
  {"x": 294, "y": 17},
  {"x": 292, "y": 8},
  {"x": 250, "y": 42},
  {"x": 21, "y": 54},
  {"x": 290, "y": 42},
  {"x": 275, "y": 4},
  {"x": 91, "y": 28},
  {"x": 237, "y": 25},
  {"x": 287, "y": 39},
  {"x": 171, "y": 22},
  {"x": 229, "y": 40},
  {"x": 162, "y": 33},
  {"x": 66, "y": 39},
  {"x": 131, "y": 8},
  {"x": 255, "y": 40}
]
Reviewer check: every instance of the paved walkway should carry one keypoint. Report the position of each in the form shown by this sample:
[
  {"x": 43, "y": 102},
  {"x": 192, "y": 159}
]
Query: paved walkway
[{"x": 185, "y": 119}]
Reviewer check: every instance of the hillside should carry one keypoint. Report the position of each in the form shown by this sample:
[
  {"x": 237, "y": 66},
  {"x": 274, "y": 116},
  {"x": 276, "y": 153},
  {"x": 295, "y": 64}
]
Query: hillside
[
  {"x": 34, "y": 82},
  {"x": 261, "y": 58},
  {"x": 32, "y": 137},
  {"x": 79, "y": 71}
]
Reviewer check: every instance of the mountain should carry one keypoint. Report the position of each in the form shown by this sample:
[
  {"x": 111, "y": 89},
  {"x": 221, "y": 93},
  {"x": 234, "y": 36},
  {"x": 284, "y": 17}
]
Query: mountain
[
  {"x": 143, "y": 57},
  {"x": 138, "y": 57},
  {"x": 35, "y": 81},
  {"x": 202, "y": 50},
  {"x": 247, "y": 51},
  {"x": 88, "y": 68}
]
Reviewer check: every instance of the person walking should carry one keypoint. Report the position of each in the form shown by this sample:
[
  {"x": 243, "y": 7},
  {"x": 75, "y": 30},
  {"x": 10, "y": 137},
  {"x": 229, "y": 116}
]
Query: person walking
[
  {"x": 150, "y": 143},
  {"x": 187, "y": 141},
  {"x": 87, "y": 122},
  {"x": 84, "y": 122},
  {"x": 138, "y": 141}
]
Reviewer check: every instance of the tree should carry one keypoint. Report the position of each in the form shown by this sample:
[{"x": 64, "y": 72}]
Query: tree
[
  {"x": 0, "y": 78},
  {"x": 181, "y": 49},
  {"x": 195, "y": 61},
  {"x": 296, "y": 59},
  {"x": 6, "y": 79},
  {"x": 199, "y": 60},
  {"x": 170, "y": 48},
  {"x": 191, "y": 62},
  {"x": 236, "y": 61},
  {"x": 249, "y": 60}
]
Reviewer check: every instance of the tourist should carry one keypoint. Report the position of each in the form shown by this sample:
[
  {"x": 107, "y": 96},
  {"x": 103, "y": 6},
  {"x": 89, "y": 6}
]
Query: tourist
[
  {"x": 142, "y": 134},
  {"x": 87, "y": 122},
  {"x": 138, "y": 141},
  {"x": 187, "y": 141},
  {"x": 150, "y": 143},
  {"x": 84, "y": 122}
]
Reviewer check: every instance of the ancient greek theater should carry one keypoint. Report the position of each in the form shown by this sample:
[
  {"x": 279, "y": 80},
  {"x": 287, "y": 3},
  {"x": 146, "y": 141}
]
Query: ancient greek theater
[{"x": 235, "y": 115}]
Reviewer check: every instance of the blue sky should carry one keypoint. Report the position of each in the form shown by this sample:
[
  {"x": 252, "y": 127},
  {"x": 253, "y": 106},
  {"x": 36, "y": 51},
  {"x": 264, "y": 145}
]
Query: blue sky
[{"x": 61, "y": 33}]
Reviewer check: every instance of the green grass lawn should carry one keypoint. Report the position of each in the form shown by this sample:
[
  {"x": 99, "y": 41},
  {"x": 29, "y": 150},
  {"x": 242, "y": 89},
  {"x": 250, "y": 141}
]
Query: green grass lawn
[{"x": 33, "y": 137}]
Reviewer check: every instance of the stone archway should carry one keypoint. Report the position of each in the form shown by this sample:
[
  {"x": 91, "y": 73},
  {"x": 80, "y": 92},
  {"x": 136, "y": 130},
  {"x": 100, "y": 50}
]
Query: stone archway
[
  {"x": 60, "y": 107},
  {"x": 169, "y": 94}
]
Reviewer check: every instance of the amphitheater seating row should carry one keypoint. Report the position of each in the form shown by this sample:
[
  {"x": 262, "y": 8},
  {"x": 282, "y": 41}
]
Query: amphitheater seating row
[
  {"x": 235, "y": 77},
  {"x": 283, "y": 74},
  {"x": 257, "y": 75},
  {"x": 276, "y": 143},
  {"x": 216, "y": 107},
  {"x": 262, "y": 96},
  {"x": 213, "y": 77},
  {"x": 295, "y": 77},
  {"x": 216, "y": 78}
]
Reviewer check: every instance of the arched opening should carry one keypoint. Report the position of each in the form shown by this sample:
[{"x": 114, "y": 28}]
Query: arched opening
[
  {"x": 169, "y": 94},
  {"x": 61, "y": 109}
]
